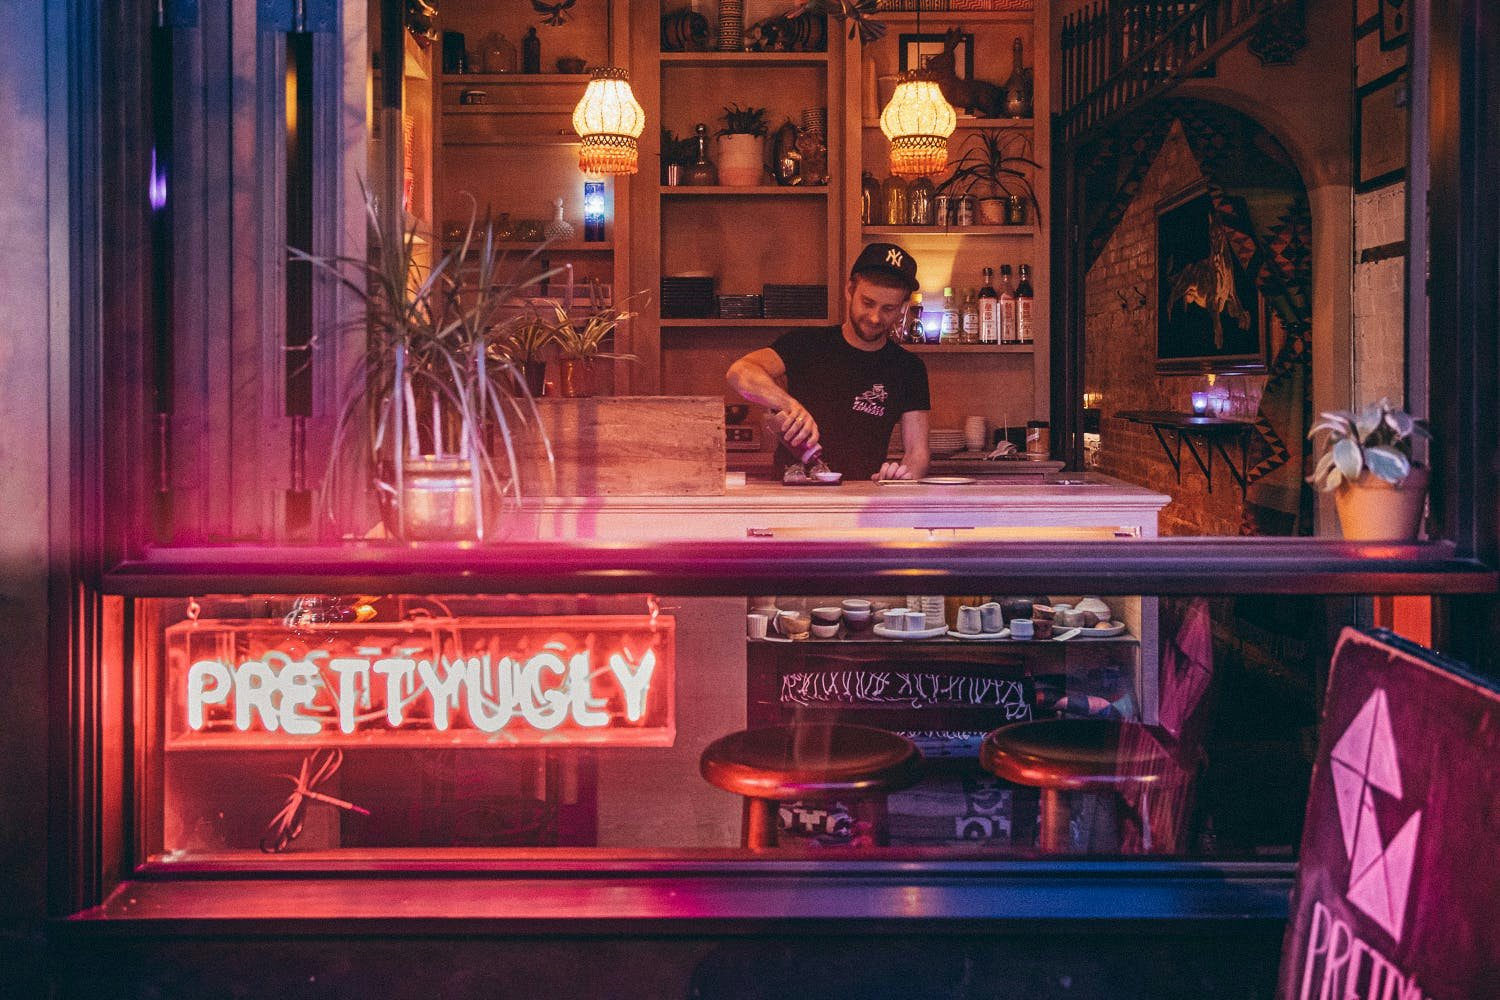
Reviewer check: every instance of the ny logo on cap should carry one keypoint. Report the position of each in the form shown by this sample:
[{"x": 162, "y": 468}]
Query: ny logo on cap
[
  {"x": 1364, "y": 760},
  {"x": 894, "y": 257}
]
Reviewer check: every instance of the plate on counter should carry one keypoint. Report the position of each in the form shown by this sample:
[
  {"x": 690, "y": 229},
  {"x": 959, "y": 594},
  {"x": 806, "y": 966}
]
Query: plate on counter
[
  {"x": 1115, "y": 628},
  {"x": 979, "y": 636},
  {"x": 926, "y": 633},
  {"x": 947, "y": 480}
]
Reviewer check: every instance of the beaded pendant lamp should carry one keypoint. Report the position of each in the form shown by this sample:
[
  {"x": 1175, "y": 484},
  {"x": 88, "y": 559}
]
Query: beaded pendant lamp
[
  {"x": 609, "y": 120},
  {"x": 918, "y": 121}
]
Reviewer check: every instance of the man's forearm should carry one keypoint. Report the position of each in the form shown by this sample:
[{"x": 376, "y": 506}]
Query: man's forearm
[
  {"x": 916, "y": 461},
  {"x": 756, "y": 385}
]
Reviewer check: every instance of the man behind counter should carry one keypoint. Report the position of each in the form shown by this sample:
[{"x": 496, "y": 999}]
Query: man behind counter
[{"x": 844, "y": 387}]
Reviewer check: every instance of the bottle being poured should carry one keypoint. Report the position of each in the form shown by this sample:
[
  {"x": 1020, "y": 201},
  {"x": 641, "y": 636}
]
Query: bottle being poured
[{"x": 811, "y": 465}]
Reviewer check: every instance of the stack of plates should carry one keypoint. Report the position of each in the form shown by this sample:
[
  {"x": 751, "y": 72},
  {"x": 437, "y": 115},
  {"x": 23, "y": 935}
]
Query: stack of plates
[
  {"x": 796, "y": 301},
  {"x": 687, "y": 297},
  {"x": 945, "y": 441}
]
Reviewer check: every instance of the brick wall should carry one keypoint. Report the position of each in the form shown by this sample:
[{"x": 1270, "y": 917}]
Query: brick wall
[{"x": 1119, "y": 362}]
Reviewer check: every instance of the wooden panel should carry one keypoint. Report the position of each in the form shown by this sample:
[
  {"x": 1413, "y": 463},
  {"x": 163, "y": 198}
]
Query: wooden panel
[{"x": 630, "y": 446}]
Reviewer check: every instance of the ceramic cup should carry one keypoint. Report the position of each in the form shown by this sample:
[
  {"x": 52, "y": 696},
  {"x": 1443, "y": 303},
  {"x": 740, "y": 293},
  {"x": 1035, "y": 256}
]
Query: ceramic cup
[
  {"x": 970, "y": 620},
  {"x": 857, "y": 621},
  {"x": 916, "y": 621},
  {"x": 823, "y": 631},
  {"x": 1021, "y": 628},
  {"x": 826, "y": 616},
  {"x": 895, "y": 619},
  {"x": 755, "y": 625},
  {"x": 1040, "y": 627},
  {"x": 990, "y": 619}
]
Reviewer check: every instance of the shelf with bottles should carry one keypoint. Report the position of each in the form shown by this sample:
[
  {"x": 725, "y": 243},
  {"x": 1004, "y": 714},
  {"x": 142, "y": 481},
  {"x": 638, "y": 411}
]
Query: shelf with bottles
[
  {"x": 948, "y": 348},
  {"x": 950, "y": 232}
]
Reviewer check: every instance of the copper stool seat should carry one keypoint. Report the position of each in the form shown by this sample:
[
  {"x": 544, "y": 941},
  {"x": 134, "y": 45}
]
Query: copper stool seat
[
  {"x": 1058, "y": 755},
  {"x": 781, "y": 763}
]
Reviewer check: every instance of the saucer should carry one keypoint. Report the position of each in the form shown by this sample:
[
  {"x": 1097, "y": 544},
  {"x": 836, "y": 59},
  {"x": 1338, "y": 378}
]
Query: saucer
[
  {"x": 1115, "y": 628},
  {"x": 926, "y": 633},
  {"x": 980, "y": 636}
]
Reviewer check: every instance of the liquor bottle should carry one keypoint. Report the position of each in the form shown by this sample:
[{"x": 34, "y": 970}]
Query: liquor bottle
[
  {"x": 1025, "y": 325},
  {"x": 989, "y": 310},
  {"x": 970, "y": 319},
  {"x": 1008, "y": 334},
  {"x": 951, "y": 329},
  {"x": 914, "y": 331}
]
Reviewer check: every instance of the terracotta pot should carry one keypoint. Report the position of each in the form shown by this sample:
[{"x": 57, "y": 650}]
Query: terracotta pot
[
  {"x": 741, "y": 159},
  {"x": 1373, "y": 510},
  {"x": 992, "y": 211},
  {"x": 575, "y": 378}
]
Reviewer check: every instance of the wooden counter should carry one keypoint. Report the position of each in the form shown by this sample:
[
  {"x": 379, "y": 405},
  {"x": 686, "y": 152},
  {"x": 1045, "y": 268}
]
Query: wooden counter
[{"x": 1105, "y": 506}]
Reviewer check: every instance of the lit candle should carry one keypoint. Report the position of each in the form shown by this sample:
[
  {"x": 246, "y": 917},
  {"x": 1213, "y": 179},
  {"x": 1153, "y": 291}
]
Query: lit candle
[{"x": 1200, "y": 403}]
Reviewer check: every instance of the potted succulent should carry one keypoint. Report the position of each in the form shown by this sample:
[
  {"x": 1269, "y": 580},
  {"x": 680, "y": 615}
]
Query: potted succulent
[
  {"x": 1367, "y": 464},
  {"x": 580, "y": 344},
  {"x": 528, "y": 339},
  {"x": 993, "y": 166},
  {"x": 742, "y": 146},
  {"x": 437, "y": 388}
]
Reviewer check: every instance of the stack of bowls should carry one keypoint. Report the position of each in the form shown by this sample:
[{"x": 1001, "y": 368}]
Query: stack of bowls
[
  {"x": 857, "y": 614},
  {"x": 825, "y": 622}
]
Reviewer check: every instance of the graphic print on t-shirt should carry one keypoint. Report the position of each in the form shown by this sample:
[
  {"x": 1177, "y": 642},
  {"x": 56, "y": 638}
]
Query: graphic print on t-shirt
[{"x": 871, "y": 401}]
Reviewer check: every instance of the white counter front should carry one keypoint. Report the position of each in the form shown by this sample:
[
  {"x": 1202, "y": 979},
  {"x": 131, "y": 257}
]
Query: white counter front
[{"x": 1105, "y": 506}]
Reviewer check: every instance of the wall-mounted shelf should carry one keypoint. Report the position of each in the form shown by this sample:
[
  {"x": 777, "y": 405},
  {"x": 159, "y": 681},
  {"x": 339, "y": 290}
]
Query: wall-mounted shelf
[
  {"x": 763, "y": 191},
  {"x": 508, "y": 109},
  {"x": 712, "y": 59},
  {"x": 1212, "y": 431},
  {"x": 1016, "y": 232},
  {"x": 970, "y": 348},
  {"x": 743, "y": 324}
]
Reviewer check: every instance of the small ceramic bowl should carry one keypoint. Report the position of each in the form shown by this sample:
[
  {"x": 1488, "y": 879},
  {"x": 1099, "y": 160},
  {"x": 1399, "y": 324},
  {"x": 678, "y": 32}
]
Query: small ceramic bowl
[
  {"x": 821, "y": 631},
  {"x": 854, "y": 604},
  {"x": 827, "y": 616},
  {"x": 857, "y": 621}
]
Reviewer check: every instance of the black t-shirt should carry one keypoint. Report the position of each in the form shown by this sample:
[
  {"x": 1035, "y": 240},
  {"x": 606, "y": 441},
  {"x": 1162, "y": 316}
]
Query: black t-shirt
[{"x": 855, "y": 396}]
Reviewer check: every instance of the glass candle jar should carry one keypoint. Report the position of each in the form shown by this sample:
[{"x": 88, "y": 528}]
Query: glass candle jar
[
  {"x": 920, "y": 207},
  {"x": 893, "y": 201}
]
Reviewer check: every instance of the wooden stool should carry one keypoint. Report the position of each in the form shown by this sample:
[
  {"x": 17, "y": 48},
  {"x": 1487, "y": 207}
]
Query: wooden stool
[
  {"x": 1058, "y": 755},
  {"x": 820, "y": 762}
]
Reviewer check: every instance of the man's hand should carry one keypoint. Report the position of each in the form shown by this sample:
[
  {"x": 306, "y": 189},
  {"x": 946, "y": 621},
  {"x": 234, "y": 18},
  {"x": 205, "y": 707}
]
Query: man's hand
[
  {"x": 797, "y": 425},
  {"x": 892, "y": 470}
]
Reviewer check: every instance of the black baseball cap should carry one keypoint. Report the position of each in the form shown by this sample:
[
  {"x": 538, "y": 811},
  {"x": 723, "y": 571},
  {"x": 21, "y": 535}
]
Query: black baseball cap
[{"x": 887, "y": 258}]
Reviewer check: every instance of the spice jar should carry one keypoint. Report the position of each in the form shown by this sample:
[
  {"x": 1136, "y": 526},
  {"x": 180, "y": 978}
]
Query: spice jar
[
  {"x": 893, "y": 201},
  {"x": 871, "y": 211},
  {"x": 966, "y": 206},
  {"x": 920, "y": 206}
]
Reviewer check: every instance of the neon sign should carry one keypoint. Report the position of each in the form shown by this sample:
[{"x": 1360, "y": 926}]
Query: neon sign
[{"x": 593, "y": 680}]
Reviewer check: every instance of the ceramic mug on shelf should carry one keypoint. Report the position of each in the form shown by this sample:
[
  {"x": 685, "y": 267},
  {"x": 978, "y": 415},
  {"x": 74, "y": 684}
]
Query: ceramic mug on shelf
[
  {"x": 1021, "y": 628},
  {"x": 990, "y": 618},
  {"x": 970, "y": 620},
  {"x": 755, "y": 625}
]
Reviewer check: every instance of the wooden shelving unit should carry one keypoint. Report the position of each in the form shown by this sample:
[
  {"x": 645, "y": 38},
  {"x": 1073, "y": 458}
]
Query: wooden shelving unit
[
  {"x": 941, "y": 232},
  {"x": 763, "y": 191},
  {"x": 965, "y": 379}
]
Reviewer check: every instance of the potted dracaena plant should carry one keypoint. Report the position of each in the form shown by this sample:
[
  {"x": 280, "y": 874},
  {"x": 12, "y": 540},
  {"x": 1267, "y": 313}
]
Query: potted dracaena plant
[
  {"x": 580, "y": 336},
  {"x": 1367, "y": 464},
  {"x": 742, "y": 146},
  {"x": 437, "y": 390},
  {"x": 992, "y": 166}
]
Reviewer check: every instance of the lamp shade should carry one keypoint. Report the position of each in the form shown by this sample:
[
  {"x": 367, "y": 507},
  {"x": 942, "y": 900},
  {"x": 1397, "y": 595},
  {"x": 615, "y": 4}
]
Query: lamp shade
[
  {"x": 918, "y": 121},
  {"x": 609, "y": 120}
]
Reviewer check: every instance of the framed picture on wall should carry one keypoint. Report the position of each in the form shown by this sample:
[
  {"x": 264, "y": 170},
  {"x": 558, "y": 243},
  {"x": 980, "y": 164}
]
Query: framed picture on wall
[
  {"x": 1210, "y": 317},
  {"x": 1380, "y": 122},
  {"x": 916, "y": 50}
]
